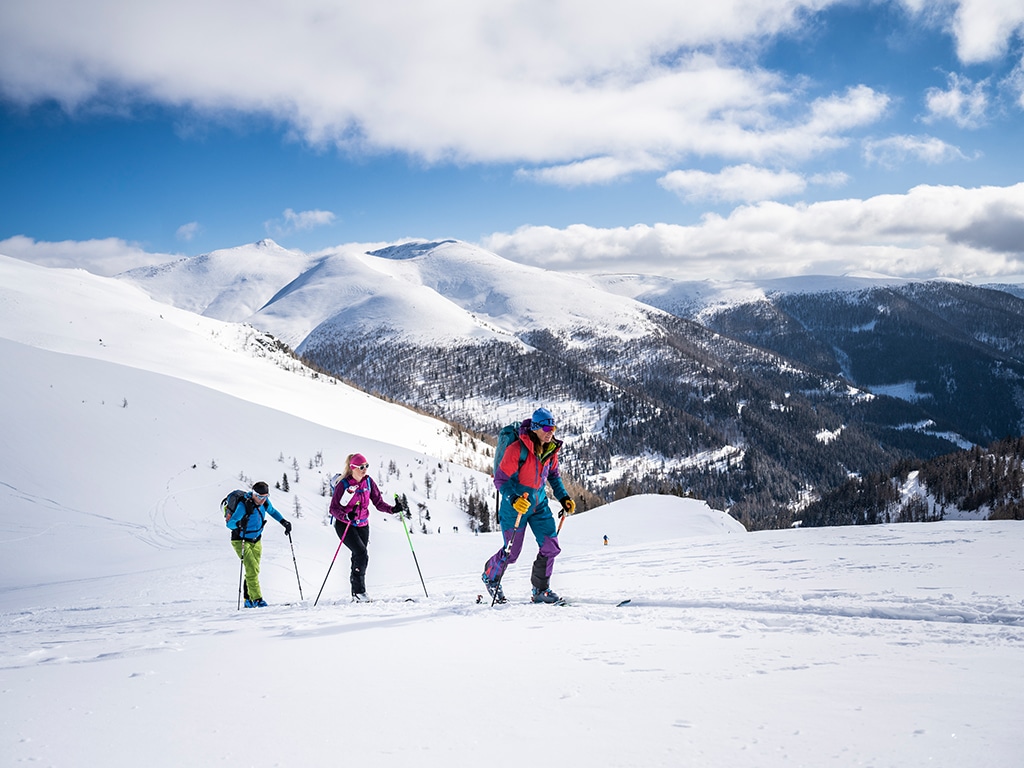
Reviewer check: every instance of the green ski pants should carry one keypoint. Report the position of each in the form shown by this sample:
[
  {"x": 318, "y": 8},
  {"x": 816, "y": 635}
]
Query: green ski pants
[{"x": 253, "y": 551}]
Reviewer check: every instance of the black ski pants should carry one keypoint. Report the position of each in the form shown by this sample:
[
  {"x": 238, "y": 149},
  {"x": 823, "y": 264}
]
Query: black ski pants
[{"x": 357, "y": 540}]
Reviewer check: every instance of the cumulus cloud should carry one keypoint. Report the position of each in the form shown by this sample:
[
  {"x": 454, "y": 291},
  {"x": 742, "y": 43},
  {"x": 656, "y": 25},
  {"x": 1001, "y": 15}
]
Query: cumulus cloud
[
  {"x": 106, "y": 257},
  {"x": 997, "y": 229},
  {"x": 964, "y": 102},
  {"x": 573, "y": 91},
  {"x": 983, "y": 28},
  {"x": 744, "y": 183},
  {"x": 740, "y": 183},
  {"x": 896, "y": 150},
  {"x": 931, "y": 230}
]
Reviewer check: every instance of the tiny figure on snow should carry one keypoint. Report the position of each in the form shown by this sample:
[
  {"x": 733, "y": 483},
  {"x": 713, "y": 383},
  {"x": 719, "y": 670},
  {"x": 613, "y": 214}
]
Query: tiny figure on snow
[
  {"x": 246, "y": 522},
  {"x": 606, "y": 539},
  {"x": 526, "y": 463}
]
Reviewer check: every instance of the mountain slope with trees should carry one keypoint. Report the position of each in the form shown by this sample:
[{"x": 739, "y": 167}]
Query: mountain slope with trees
[
  {"x": 979, "y": 483},
  {"x": 758, "y": 406}
]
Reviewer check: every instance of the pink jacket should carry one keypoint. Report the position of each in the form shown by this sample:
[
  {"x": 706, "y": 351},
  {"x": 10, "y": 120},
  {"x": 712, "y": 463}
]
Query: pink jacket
[{"x": 351, "y": 501}]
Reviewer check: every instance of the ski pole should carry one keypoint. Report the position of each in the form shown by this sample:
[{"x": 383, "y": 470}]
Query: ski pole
[
  {"x": 401, "y": 514},
  {"x": 562, "y": 514},
  {"x": 295, "y": 563},
  {"x": 343, "y": 535},
  {"x": 505, "y": 554}
]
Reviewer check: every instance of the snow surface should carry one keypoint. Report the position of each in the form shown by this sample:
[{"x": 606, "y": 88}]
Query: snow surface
[{"x": 125, "y": 422}]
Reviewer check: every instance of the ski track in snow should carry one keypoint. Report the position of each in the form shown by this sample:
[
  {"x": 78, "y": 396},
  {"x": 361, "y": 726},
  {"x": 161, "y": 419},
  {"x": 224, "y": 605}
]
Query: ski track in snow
[{"x": 77, "y": 634}]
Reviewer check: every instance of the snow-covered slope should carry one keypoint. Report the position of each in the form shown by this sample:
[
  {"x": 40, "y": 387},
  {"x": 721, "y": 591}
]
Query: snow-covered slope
[
  {"x": 228, "y": 284},
  {"x": 78, "y": 313},
  {"x": 125, "y": 422}
]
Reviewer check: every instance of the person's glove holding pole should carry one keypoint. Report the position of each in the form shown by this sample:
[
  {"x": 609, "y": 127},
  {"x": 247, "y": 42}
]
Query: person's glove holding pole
[
  {"x": 521, "y": 505},
  {"x": 568, "y": 507}
]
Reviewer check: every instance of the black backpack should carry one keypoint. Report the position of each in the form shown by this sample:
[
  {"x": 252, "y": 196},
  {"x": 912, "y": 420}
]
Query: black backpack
[{"x": 230, "y": 503}]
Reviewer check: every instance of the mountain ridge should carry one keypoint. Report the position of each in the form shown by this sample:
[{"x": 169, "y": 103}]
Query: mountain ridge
[{"x": 722, "y": 391}]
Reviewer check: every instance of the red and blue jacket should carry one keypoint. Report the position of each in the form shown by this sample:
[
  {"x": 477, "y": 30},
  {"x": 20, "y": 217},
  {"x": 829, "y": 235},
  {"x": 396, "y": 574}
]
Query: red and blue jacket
[{"x": 525, "y": 467}]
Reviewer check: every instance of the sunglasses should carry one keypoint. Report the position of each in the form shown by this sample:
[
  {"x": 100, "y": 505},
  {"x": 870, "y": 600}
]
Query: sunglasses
[{"x": 363, "y": 467}]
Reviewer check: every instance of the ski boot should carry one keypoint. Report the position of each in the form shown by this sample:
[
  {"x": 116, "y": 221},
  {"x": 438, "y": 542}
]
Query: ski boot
[
  {"x": 494, "y": 590},
  {"x": 546, "y": 596}
]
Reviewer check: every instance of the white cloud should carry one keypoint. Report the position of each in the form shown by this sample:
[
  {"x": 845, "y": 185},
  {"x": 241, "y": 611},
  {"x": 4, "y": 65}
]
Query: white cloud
[
  {"x": 105, "y": 257},
  {"x": 983, "y": 28},
  {"x": 308, "y": 219},
  {"x": 577, "y": 88},
  {"x": 595, "y": 170},
  {"x": 740, "y": 183},
  {"x": 965, "y": 102},
  {"x": 931, "y": 230},
  {"x": 830, "y": 179},
  {"x": 292, "y": 221},
  {"x": 896, "y": 150},
  {"x": 188, "y": 232}
]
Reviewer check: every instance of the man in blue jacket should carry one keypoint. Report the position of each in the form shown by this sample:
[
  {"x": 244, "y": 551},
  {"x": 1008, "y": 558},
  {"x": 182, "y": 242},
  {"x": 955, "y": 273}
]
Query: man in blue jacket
[{"x": 246, "y": 524}]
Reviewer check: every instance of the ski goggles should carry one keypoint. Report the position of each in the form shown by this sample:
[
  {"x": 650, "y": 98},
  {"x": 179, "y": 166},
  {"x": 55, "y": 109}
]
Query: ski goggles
[
  {"x": 546, "y": 427},
  {"x": 260, "y": 496}
]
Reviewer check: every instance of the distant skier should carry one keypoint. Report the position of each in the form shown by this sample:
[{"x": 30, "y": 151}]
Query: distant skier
[
  {"x": 606, "y": 540},
  {"x": 521, "y": 471},
  {"x": 350, "y": 508},
  {"x": 246, "y": 524}
]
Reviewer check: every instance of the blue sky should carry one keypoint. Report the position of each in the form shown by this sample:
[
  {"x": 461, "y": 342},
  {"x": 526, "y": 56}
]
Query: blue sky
[{"x": 697, "y": 140}]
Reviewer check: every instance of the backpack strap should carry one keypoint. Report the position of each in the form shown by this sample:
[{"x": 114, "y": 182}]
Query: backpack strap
[
  {"x": 250, "y": 507},
  {"x": 522, "y": 458}
]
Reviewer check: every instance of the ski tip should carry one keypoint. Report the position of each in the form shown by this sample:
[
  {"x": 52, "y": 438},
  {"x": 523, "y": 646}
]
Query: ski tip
[{"x": 624, "y": 602}]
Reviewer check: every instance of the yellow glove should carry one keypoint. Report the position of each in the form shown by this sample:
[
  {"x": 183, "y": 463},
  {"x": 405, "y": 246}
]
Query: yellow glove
[
  {"x": 521, "y": 505},
  {"x": 568, "y": 506}
]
